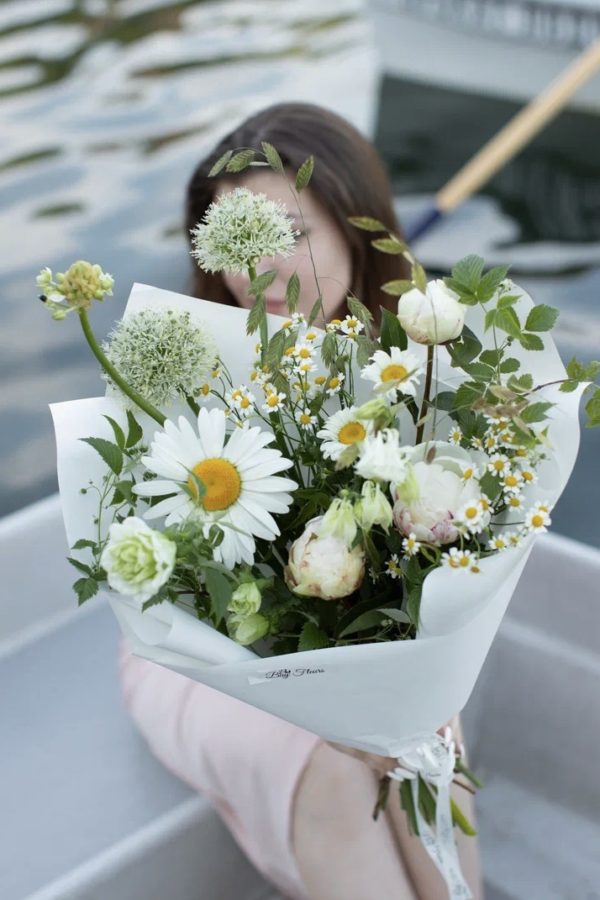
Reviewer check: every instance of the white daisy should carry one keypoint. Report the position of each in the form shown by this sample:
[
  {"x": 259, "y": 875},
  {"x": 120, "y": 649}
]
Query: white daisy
[
  {"x": 342, "y": 430},
  {"x": 334, "y": 384},
  {"x": 303, "y": 350},
  {"x": 305, "y": 418},
  {"x": 273, "y": 402},
  {"x": 538, "y": 518},
  {"x": 392, "y": 566},
  {"x": 499, "y": 464},
  {"x": 469, "y": 472},
  {"x": 514, "y": 502},
  {"x": 455, "y": 436},
  {"x": 512, "y": 482},
  {"x": 460, "y": 560},
  {"x": 351, "y": 326},
  {"x": 395, "y": 371},
  {"x": 333, "y": 325},
  {"x": 411, "y": 545},
  {"x": 499, "y": 542},
  {"x": 242, "y": 488},
  {"x": 471, "y": 517}
]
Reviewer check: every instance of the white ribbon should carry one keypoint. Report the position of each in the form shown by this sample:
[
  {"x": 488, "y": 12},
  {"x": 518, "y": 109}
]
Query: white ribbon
[{"x": 433, "y": 757}]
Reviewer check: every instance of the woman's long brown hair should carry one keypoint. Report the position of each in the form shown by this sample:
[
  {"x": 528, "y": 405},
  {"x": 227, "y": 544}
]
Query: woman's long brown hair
[{"x": 349, "y": 179}]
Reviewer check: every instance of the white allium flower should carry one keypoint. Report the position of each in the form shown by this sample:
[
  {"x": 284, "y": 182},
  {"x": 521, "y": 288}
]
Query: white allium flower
[
  {"x": 137, "y": 560},
  {"x": 76, "y": 288},
  {"x": 433, "y": 317},
  {"x": 323, "y": 566},
  {"x": 393, "y": 372},
  {"x": 162, "y": 354},
  {"x": 342, "y": 430},
  {"x": 239, "y": 229},
  {"x": 381, "y": 457}
]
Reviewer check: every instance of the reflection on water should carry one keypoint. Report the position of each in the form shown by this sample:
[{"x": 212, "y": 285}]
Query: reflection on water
[{"x": 106, "y": 107}]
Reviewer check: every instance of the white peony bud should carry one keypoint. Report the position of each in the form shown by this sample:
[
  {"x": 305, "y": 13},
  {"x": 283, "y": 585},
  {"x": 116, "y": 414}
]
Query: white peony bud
[
  {"x": 433, "y": 317},
  {"x": 323, "y": 566},
  {"x": 137, "y": 560},
  {"x": 373, "y": 508}
]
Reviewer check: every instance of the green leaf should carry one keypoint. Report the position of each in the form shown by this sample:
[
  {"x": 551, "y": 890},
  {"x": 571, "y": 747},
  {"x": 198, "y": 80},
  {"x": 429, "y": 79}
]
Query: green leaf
[
  {"x": 366, "y": 223},
  {"x": 240, "y": 161},
  {"x": 389, "y": 245},
  {"x": 490, "y": 282},
  {"x": 329, "y": 349},
  {"x": 316, "y": 309},
  {"x": 467, "y": 394},
  {"x": 220, "y": 163},
  {"x": 510, "y": 365},
  {"x": 413, "y": 602},
  {"x": 536, "y": 412},
  {"x": 520, "y": 383},
  {"x": 272, "y": 156},
  {"x": 468, "y": 271},
  {"x": 397, "y": 287},
  {"x": 427, "y": 801},
  {"x": 407, "y": 801},
  {"x": 490, "y": 357},
  {"x": 134, "y": 431},
  {"x": 365, "y": 349},
  {"x": 460, "y": 820},
  {"x": 275, "y": 349},
  {"x": 419, "y": 276},
  {"x": 256, "y": 314},
  {"x": 541, "y": 318},
  {"x": 479, "y": 371},
  {"x": 110, "y": 453},
  {"x": 370, "y": 619},
  {"x": 220, "y": 591},
  {"x": 117, "y": 431},
  {"x": 444, "y": 400},
  {"x": 312, "y": 638},
  {"x": 82, "y": 543},
  {"x": 466, "y": 348},
  {"x": 392, "y": 332},
  {"x": 304, "y": 173},
  {"x": 259, "y": 284},
  {"x": 359, "y": 310},
  {"x": 582, "y": 372},
  {"x": 125, "y": 488},
  {"x": 292, "y": 292},
  {"x": 398, "y": 615},
  {"x": 490, "y": 319},
  {"x": 507, "y": 320},
  {"x": 85, "y": 588},
  {"x": 592, "y": 409},
  {"x": 531, "y": 341},
  {"x": 506, "y": 300},
  {"x": 80, "y": 566}
]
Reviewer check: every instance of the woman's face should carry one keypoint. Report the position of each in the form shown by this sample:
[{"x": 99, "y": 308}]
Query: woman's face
[{"x": 330, "y": 252}]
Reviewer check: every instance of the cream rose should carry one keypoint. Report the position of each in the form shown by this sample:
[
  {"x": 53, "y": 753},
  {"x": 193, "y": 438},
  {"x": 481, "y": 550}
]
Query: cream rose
[
  {"x": 137, "y": 560},
  {"x": 433, "y": 317}
]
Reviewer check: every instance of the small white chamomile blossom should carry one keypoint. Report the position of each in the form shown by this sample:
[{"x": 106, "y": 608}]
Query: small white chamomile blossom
[
  {"x": 485, "y": 503},
  {"x": 512, "y": 482},
  {"x": 476, "y": 443},
  {"x": 460, "y": 560},
  {"x": 514, "y": 502},
  {"x": 239, "y": 229},
  {"x": 305, "y": 367},
  {"x": 351, "y": 325},
  {"x": 499, "y": 542},
  {"x": 382, "y": 458},
  {"x": 499, "y": 464},
  {"x": 273, "y": 402},
  {"x": 302, "y": 350},
  {"x": 310, "y": 336},
  {"x": 455, "y": 436},
  {"x": 393, "y": 372},
  {"x": 204, "y": 393},
  {"x": 295, "y": 321},
  {"x": 334, "y": 384},
  {"x": 528, "y": 474},
  {"x": 471, "y": 518},
  {"x": 538, "y": 518},
  {"x": 241, "y": 400},
  {"x": 162, "y": 354},
  {"x": 342, "y": 430},
  {"x": 513, "y": 538},
  {"x": 334, "y": 325},
  {"x": 470, "y": 472},
  {"x": 305, "y": 418},
  {"x": 411, "y": 545},
  {"x": 490, "y": 442},
  {"x": 392, "y": 567}
]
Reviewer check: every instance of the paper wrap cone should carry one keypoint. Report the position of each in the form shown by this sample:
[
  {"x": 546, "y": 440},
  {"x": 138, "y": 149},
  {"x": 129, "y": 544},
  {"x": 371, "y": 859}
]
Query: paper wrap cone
[{"x": 370, "y": 696}]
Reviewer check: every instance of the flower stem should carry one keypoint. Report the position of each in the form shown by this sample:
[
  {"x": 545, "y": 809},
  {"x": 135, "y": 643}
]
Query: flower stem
[
  {"x": 425, "y": 403},
  {"x": 113, "y": 374}
]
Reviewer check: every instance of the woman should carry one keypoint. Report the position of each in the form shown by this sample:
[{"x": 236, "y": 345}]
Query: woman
[{"x": 299, "y": 808}]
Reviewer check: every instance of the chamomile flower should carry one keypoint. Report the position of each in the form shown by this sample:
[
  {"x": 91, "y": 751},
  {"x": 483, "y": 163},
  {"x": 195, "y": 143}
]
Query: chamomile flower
[
  {"x": 239, "y": 229},
  {"x": 351, "y": 326},
  {"x": 305, "y": 367},
  {"x": 319, "y": 380},
  {"x": 393, "y": 372},
  {"x": 204, "y": 392},
  {"x": 393, "y": 567},
  {"x": 471, "y": 517},
  {"x": 476, "y": 443},
  {"x": 499, "y": 542},
  {"x": 305, "y": 418},
  {"x": 538, "y": 518},
  {"x": 499, "y": 464},
  {"x": 334, "y": 384},
  {"x": 411, "y": 545},
  {"x": 460, "y": 560},
  {"x": 513, "y": 538},
  {"x": 273, "y": 401},
  {"x": 485, "y": 503},
  {"x": 342, "y": 430},
  {"x": 527, "y": 472},
  {"x": 241, "y": 400},
  {"x": 470, "y": 472},
  {"x": 514, "y": 502},
  {"x": 490, "y": 442},
  {"x": 333, "y": 325},
  {"x": 512, "y": 482},
  {"x": 455, "y": 436},
  {"x": 239, "y": 475},
  {"x": 303, "y": 350}
]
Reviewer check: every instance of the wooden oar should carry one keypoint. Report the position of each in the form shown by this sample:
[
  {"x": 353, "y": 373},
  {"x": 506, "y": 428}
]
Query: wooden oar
[{"x": 528, "y": 122}]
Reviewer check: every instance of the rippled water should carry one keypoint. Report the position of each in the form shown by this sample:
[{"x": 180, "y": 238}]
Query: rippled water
[{"x": 107, "y": 105}]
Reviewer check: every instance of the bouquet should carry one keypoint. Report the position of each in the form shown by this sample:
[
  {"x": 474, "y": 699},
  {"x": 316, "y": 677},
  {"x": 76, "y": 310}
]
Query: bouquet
[{"x": 327, "y": 523}]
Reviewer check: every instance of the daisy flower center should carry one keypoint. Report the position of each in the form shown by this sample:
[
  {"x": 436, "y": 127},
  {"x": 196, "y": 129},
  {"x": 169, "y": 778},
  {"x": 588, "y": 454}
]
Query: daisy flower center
[
  {"x": 222, "y": 481},
  {"x": 537, "y": 521},
  {"x": 394, "y": 372},
  {"x": 352, "y": 433}
]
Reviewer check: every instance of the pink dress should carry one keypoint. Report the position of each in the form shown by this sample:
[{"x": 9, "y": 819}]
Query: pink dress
[{"x": 246, "y": 762}]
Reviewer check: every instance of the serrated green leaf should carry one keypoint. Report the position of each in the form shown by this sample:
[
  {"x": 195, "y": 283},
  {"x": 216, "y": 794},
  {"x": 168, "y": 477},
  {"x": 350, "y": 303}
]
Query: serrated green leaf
[
  {"x": 468, "y": 271},
  {"x": 370, "y": 619},
  {"x": 110, "y": 453},
  {"x": 467, "y": 394},
  {"x": 259, "y": 284},
  {"x": 413, "y": 602},
  {"x": 392, "y": 332},
  {"x": 479, "y": 371},
  {"x": 490, "y": 357},
  {"x": 275, "y": 349},
  {"x": 240, "y": 161},
  {"x": 465, "y": 348},
  {"x": 389, "y": 245},
  {"x": 220, "y": 163},
  {"x": 126, "y": 490},
  {"x": 80, "y": 566},
  {"x": 490, "y": 282},
  {"x": 507, "y": 320},
  {"x": 256, "y": 314},
  {"x": 117, "y": 431},
  {"x": 365, "y": 349},
  {"x": 329, "y": 349},
  {"x": 219, "y": 590},
  {"x": 134, "y": 431},
  {"x": 292, "y": 292},
  {"x": 507, "y": 300},
  {"x": 272, "y": 156},
  {"x": 592, "y": 410},
  {"x": 312, "y": 638},
  {"x": 85, "y": 588},
  {"x": 366, "y": 223},
  {"x": 536, "y": 412},
  {"x": 490, "y": 319},
  {"x": 359, "y": 310},
  {"x": 316, "y": 309},
  {"x": 520, "y": 383},
  {"x": 397, "y": 287},
  {"x": 304, "y": 173},
  {"x": 509, "y": 365},
  {"x": 531, "y": 341},
  {"x": 541, "y": 318}
]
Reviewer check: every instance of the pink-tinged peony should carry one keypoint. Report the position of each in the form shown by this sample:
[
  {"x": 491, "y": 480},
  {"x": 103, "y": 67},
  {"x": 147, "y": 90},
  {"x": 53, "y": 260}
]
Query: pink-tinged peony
[
  {"x": 323, "y": 567},
  {"x": 426, "y": 503},
  {"x": 433, "y": 317}
]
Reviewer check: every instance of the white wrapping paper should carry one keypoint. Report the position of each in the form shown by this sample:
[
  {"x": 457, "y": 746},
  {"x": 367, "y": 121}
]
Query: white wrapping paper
[{"x": 372, "y": 696}]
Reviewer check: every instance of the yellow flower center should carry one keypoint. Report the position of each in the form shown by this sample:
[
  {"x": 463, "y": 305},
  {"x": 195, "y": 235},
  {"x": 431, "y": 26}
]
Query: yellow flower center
[
  {"x": 499, "y": 465},
  {"x": 468, "y": 473},
  {"x": 290, "y": 350},
  {"x": 537, "y": 521},
  {"x": 352, "y": 323},
  {"x": 352, "y": 433},
  {"x": 215, "y": 373},
  {"x": 305, "y": 353},
  {"x": 511, "y": 481},
  {"x": 305, "y": 419},
  {"x": 499, "y": 544},
  {"x": 464, "y": 562},
  {"x": 320, "y": 379},
  {"x": 272, "y": 400},
  {"x": 222, "y": 482},
  {"x": 310, "y": 336},
  {"x": 205, "y": 389},
  {"x": 336, "y": 322},
  {"x": 334, "y": 383},
  {"x": 394, "y": 372},
  {"x": 245, "y": 402},
  {"x": 485, "y": 504},
  {"x": 236, "y": 394},
  {"x": 471, "y": 512},
  {"x": 527, "y": 476},
  {"x": 515, "y": 501}
]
